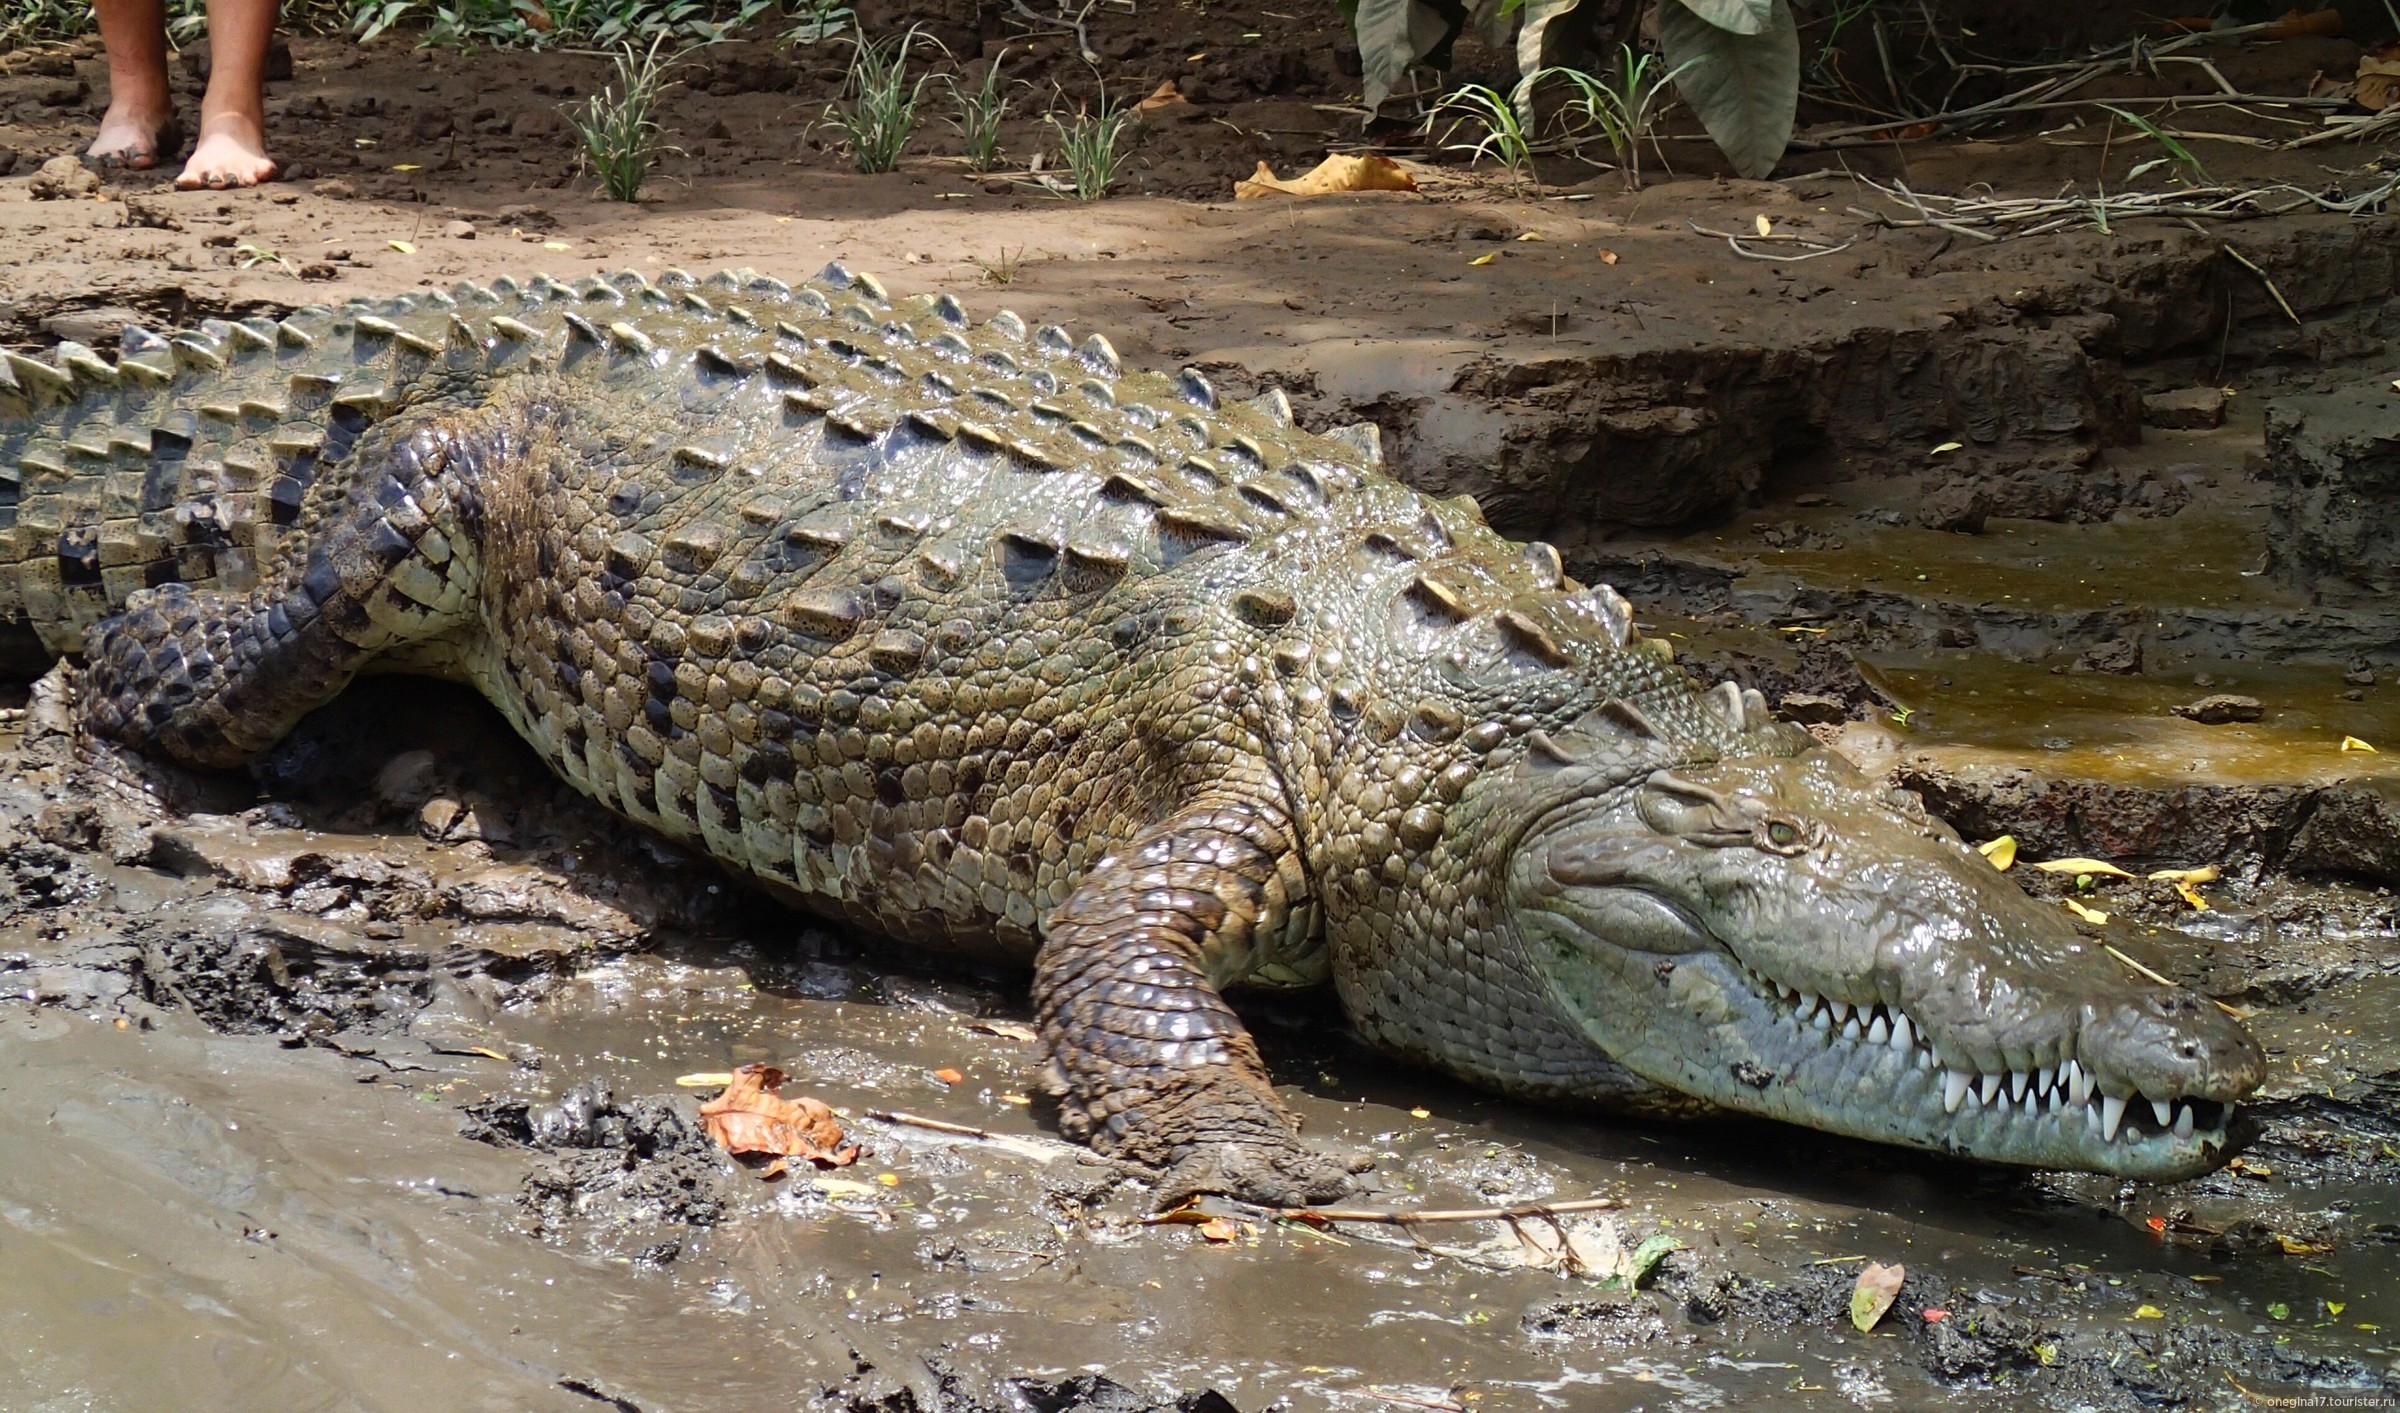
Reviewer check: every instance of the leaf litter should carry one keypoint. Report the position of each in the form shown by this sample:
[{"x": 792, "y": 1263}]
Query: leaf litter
[{"x": 751, "y": 1118}]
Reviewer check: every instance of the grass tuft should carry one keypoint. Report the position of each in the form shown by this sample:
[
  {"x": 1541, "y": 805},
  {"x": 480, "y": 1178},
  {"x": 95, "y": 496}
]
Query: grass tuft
[
  {"x": 1095, "y": 146},
  {"x": 620, "y": 132},
  {"x": 980, "y": 111},
  {"x": 878, "y": 112}
]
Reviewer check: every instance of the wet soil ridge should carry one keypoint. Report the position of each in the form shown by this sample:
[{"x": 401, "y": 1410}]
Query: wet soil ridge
[
  {"x": 2335, "y": 460},
  {"x": 613, "y": 1169}
]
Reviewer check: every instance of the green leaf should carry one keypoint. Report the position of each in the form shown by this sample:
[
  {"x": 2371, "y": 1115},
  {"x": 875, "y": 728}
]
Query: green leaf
[
  {"x": 1737, "y": 16},
  {"x": 1538, "y": 15},
  {"x": 1653, "y": 1249},
  {"x": 1746, "y": 88},
  {"x": 1878, "y": 1285},
  {"x": 1392, "y": 35}
]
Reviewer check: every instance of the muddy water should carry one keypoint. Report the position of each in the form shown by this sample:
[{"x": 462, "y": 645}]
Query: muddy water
[{"x": 281, "y": 1099}]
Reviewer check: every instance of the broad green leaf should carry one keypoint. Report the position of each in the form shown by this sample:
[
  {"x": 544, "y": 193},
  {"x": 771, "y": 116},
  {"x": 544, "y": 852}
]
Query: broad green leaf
[
  {"x": 1738, "y": 16},
  {"x": 1530, "y": 35},
  {"x": 1745, "y": 88},
  {"x": 1392, "y": 35}
]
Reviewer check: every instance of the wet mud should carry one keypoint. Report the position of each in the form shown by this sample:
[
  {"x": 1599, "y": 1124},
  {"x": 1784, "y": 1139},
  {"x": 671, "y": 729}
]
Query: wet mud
[{"x": 334, "y": 1096}]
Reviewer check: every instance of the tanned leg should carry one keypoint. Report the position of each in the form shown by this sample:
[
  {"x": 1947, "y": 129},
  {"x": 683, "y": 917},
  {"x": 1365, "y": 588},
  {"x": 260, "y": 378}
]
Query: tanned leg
[
  {"x": 233, "y": 113},
  {"x": 141, "y": 110},
  {"x": 1150, "y": 1063}
]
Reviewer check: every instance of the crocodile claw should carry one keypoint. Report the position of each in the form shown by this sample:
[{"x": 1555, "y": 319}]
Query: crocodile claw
[{"x": 1270, "y": 1176}]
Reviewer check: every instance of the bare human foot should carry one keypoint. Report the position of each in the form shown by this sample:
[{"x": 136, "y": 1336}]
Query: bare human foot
[
  {"x": 134, "y": 134},
  {"x": 232, "y": 152}
]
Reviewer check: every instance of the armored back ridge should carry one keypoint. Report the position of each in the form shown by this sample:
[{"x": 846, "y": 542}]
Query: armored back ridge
[{"x": 965, "y": 634}]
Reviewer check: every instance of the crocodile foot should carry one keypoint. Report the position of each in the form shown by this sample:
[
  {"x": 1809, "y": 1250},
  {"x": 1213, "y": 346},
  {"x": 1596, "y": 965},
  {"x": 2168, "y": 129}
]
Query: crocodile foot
[{"x": 1218, "y": 1131}]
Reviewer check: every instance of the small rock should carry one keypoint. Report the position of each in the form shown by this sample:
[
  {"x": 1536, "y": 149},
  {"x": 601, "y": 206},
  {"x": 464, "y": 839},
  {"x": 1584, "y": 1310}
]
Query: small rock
[
  {"x": 150, "y": 215},
  {"x": 63, "y": 95},
  {"x": 995, "y": 186},
  {"x": 64, "y": 178},
  {"x": 335, "y": 189},
  {"x": 1813, "y": 708},
  {"x": 8, "y": 159},
  {"x": 2360, "y": 676},
  {"x": 1959, "y": 506},
  {"x": 525, "y": 214},
  {"x": 2221, "y": 708},
  {"x": 435, "y": 820},
  {"x": 1812, "y": 498},
  {"x": 2120, "y": 656},
  {"x": 2185, "y": 409},
  {"x": 535, "y": 122},
  {"x": 460, "y": 230},
  {"x": 101, "y": 327},
  {"x": 407, "y": 780}
]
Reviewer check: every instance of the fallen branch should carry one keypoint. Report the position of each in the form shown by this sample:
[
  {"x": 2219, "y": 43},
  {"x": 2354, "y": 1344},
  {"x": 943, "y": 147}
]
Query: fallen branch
[
  {"x": 1403, "y": 1217},
  {"x": 1040, "y": 1148}
]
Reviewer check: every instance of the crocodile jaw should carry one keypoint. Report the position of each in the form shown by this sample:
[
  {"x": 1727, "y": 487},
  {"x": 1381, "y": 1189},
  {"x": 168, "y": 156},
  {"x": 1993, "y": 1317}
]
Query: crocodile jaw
[{"x": 1883, "y": 982}]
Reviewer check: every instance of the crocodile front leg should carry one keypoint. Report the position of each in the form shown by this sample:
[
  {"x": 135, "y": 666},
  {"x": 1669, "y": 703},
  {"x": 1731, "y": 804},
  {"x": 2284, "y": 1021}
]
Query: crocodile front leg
[{"x": 1152, "y": 1065}]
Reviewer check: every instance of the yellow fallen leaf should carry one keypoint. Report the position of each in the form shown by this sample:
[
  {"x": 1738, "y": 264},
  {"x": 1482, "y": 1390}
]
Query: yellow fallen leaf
[
  {"x": 2206, "y": 873},
  {"x": 1531, "y": 235},
  {"x": 2191, "y": 895},
  {"x": 2352, "y": 743},
  {"x": 1338, "y": 173},
  {"x": 2081, "y": 866},
  {"x": 1488, "y": 259},
  {"x": 1420, "y": 1113},
  {"x": 407, "y": 167},
  {"x": 2294, "y": 1246},
  {"x": 2149, "y": 1312},
  {"x": 1946, "y": 447},
  {"x": 888, "y": 1179},
  {"x": 841, "y": 1187},
  {"x": 1609, "y": 257},
  {"x": 402, "y": 246},
  {"x": 1878, "y": 1284},
  {"x": 2335, "y": 1307},
  {"x": 486, "y": 1051},
  {"x": 2093, "y": 916},
  {"x": 2001, "y": 851},
  {"x": 1765, "y": 226},
  {"x": 706, "y": 1079},
  {"x": 554, "y": 245}
]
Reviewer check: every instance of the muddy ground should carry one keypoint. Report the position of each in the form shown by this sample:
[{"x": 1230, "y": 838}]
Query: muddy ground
[{"x": 360, "y": 1090}]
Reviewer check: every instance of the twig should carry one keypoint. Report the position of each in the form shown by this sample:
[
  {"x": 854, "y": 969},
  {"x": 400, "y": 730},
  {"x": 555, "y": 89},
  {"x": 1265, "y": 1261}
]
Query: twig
[
  {"x": 1736, "y": 243},
  {"x": 1402, "y": 1217},
  {"x": 1030, "y": 1147},
  {"x": 2137, "y": 966},
  {"x": 2263, "y": 278}
]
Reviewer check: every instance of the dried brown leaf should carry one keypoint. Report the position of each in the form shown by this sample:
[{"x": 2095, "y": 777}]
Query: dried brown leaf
[{"x": 750, "y": 1117}]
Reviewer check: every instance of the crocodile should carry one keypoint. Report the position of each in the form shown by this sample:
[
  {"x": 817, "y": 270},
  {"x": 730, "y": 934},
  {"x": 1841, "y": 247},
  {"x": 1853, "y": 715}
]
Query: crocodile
[{"x": 963, "y": 633}]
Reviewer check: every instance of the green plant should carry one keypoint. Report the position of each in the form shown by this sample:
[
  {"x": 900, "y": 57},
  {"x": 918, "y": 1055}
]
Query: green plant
[
  {"x": 1095, "y": 147},
  {"x": 620, "y": 135},
  {"x": 1844, "y": 14},
  {"x": 820, "y": 20},
  {"x": 879, "y": 112},
  {"x": 2176, "y": 152},
  {"x": 544, "y": 24},
  {"x": 1001, "y": 269},
  {"x": 36, "y": 21},
  {"x": 1624, "y": 107},
  {"x": 1736, "y": 62},
  {"x": 979, "y": 113},
  {"x": 1501, "y": 119}
]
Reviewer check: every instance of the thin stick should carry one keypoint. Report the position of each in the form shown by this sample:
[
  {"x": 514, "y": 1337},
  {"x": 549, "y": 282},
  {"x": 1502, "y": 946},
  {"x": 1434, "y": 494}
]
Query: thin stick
[
  {"x": 1399, "y": 1217},
  {"x": 2263, "y": 278},
  {"x": 2145, "y": 971},
  {"x": 1031, "y": 1147}
]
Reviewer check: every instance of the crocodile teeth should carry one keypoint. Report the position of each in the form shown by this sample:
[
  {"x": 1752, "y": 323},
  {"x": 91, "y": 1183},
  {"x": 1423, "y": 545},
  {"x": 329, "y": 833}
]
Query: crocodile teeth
[
  {"x": 1841, "y": 1010},
  {"x": 2112, "y": 1113},
  {"x": 1904, "y": 1034},
  {"x": 2016, "y": 1084},
  {"x": 1924, "y": 1058},
  {"x": 1879, "y": 1031},
  {"x": 1991, "y": 1088},
  {"x": 2044, "y": 1078},
  {"x": 2079, "y": 1084},
  {"x": 1806, "y": 1003},
  {"x": 1821, "y": 1019},
  {"x": 2163, "y": 1111},
  {"x": 1850, "y": 1030},
  {"x": 2183, "y": 1121},
  {"x": 1954, "y": 1090},
  {"x": 2026, "y": 1104}
]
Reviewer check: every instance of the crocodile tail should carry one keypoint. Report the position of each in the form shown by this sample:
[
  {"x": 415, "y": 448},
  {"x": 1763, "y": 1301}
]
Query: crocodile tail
[{"x": 189, "y": 458}]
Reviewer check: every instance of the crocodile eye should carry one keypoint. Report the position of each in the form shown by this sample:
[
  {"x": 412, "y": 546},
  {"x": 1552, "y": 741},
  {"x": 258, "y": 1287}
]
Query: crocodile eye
[{"x": 1782, "y": 836}]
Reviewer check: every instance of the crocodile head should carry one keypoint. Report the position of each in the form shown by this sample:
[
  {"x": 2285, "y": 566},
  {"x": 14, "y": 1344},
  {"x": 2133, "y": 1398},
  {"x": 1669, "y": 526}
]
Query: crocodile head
[{"x": 1776, "y": 935}]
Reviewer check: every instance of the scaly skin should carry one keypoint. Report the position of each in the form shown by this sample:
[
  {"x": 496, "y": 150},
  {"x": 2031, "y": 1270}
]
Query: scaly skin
[{"x": 965, "y": 636}]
